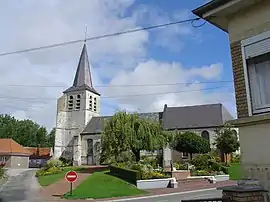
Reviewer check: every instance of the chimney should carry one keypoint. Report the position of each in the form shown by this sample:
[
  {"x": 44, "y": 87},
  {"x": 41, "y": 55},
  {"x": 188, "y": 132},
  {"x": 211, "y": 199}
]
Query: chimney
[{"x": 38, "y": 146}]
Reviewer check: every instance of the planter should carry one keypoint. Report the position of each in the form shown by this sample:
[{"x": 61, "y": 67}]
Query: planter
[
  {"x": 220, "y": 178},
  {"x": 154, "y": 183}
]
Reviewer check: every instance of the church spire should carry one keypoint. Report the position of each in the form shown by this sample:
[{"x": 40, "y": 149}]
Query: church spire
[
  {"x": 83, "y": 75},
  {"x": 83, "y": 79}
]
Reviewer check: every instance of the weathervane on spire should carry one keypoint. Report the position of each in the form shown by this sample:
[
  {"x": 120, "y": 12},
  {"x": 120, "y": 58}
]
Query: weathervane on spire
[{"x": 85, "y": 34}]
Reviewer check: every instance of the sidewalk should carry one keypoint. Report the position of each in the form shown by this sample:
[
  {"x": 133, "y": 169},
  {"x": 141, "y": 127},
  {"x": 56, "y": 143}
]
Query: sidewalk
[{"x": 54, "y": 191}]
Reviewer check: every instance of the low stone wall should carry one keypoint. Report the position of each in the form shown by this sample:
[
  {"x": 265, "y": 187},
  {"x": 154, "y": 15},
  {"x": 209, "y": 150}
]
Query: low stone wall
[
  {"x": 154, "y": 183},
  {"x": 180, "y": 174}
]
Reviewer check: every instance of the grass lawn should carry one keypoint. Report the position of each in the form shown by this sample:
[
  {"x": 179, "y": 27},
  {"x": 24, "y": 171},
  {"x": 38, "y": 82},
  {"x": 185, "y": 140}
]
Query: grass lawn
[
  {"x": 103, "y": 185},
  {"x": 235, "y": 171},
  {"x": 50, "y": 179}
]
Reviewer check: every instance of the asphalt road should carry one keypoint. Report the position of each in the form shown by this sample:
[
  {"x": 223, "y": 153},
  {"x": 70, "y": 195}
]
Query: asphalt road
[
  {"x": 179, "y": 197},
  {"x": 22, "y": 187}
]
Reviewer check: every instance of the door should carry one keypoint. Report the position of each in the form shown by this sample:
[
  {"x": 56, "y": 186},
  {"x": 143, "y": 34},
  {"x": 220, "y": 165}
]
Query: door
[{"x": 89, "y": 160}]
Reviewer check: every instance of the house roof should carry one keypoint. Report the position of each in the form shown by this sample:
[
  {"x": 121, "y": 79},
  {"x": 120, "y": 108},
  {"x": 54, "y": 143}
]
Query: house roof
[
  {"x": 189, "y": 117},
  {"x": 209, "y": 6},
  {"x": 198, "y": 116},
  {"x": 216, "y": 12},
  {"x": 10, "y": 147},
  {"x": 43, "y": 152},
  {"x": 83, "y": 79}
]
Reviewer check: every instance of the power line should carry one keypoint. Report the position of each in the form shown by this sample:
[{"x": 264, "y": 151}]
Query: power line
[
  {"x": 121, "y": 96},
  {"x": 128, "y": 85},
  {"x": 101, "y": 36}
]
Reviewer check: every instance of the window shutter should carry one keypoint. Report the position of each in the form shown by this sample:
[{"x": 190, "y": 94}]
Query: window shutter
[{"x": 258, "y": 48}]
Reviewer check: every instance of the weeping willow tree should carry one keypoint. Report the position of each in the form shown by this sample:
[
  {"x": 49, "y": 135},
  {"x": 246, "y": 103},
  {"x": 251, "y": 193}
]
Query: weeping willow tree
[{"x": 128, "y": 133}]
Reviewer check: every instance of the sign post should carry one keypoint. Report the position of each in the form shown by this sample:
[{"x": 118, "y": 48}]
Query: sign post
[{"x": 71, "y": 176}]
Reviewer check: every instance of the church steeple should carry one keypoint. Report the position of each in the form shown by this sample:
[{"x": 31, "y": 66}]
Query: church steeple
[
  {"x": 83, "y": 79},
  {"x": 83, "y": 75}
]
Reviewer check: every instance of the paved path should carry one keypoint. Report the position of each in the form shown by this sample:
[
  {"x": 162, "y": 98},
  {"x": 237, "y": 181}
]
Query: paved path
[
  {"x": 22, "y": 186},
  {"x": 61, "y": 187}
]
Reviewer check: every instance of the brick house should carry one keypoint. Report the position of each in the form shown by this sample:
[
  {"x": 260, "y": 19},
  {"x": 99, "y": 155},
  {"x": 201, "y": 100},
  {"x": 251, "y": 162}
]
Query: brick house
[{"x": 247, "y": 23}]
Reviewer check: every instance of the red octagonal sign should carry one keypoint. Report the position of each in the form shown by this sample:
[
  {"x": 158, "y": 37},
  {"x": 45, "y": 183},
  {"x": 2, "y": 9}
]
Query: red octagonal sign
[{"x": 71, "y": 176}]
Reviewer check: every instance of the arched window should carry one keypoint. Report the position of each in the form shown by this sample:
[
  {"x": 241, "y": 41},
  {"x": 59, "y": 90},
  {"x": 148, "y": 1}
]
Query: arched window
[
  {"x": 205, "y": 135},
  {"x": 70, "y": 102}
]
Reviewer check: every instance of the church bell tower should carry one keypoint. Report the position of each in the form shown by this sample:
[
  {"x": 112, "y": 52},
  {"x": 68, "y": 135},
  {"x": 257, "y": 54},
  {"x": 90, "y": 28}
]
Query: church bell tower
[{"x": 75, "y": 108}]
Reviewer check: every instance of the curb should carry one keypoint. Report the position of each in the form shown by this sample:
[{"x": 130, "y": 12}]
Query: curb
[{"x": 159, "y": 195}]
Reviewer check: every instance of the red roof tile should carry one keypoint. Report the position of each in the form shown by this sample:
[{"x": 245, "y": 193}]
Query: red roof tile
[{"x": 10, "y": 147}]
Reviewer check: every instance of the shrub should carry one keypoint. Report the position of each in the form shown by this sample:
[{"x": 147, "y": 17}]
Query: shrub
[
  {"x": 53, "y": 163},
  {"x": 2, "y": 172},
  {"x": 236, "y": 158},
  {"x": 48, "y": 171},
  {"x": 52, "y": 167},
  {"x": 201, "y": 162},
  {"x": 201, "y": 173},
  {"x": 65, "y": 162},
  {"x": 180, "y": 166},
  {"x": 124, "y": 173}
]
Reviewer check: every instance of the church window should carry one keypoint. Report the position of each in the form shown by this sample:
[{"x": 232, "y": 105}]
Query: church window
[
  {"x": 90, "y": 102},
  {"x": 89, "y": 147},
  {"x": 70, "y": 102},
  {"x": 78, "y": 102},
  {"x": 95, "y": 104}
]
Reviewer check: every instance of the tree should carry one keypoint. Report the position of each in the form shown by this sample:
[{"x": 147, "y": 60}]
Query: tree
[
  {"x": 226, "y": 141},
  {"x": 125, "y": 133},
  {"x": 25, "y": 132},
  {"x": 190, "y": 143}
]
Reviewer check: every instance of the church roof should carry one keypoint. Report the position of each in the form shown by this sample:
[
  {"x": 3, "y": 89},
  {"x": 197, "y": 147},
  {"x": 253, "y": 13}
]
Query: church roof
[
  {"x": 82, "y": 80},
  {"x": 180, "y": 118},
  {"x": 197, "y": 116}
]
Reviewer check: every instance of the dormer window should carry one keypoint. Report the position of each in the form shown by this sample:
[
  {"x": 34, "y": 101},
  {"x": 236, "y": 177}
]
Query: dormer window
[
  {"x": 78, "y": 102},
  {"x": 70, "y": 103}
]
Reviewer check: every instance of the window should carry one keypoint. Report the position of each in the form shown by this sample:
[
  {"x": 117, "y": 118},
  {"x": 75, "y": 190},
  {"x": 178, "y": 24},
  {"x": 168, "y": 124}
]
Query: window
[
  {"x": 259, "y": 81},
  {"x": 256, "y": 60},
  {"x": 184, "y": 155},
  {"x": 90, "y": 102},
  {"x": 89, "y": 147},
  {"x": 205, "y": 135},
  {"x": 95, "y": 104},
  {"x": 70, "y": 102},
  {"x": 78, "y": 102}
]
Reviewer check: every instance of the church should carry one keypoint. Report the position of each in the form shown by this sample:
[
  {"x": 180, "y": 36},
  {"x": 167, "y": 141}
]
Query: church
[{"x": 79, "y": 124}]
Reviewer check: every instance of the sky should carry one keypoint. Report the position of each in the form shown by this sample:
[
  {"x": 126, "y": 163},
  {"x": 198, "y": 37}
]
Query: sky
[{"x": 194, "y": 61}]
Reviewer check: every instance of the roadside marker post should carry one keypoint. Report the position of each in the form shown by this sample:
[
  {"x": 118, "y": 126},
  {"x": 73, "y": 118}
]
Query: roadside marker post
[{"x": 71, "y": 177}]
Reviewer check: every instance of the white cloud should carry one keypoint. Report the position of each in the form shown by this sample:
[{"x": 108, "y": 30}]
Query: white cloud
[
  {"x": 154, "y": 72},
  {"x": 118, "y": 60}
]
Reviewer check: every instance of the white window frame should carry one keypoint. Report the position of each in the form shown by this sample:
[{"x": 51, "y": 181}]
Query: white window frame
[{"x": 246, "y": 42}]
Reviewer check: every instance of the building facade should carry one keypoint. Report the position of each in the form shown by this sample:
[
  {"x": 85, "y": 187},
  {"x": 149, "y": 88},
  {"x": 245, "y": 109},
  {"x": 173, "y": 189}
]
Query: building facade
[
  {"x": 79, "y": 124},
  {"x": 248, "y": 26}
]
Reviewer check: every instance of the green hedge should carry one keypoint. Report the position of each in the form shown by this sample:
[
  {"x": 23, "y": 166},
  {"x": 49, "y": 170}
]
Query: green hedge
[
  {"x": 219, "y": 167},
  {"x": 126, "y": 174}
]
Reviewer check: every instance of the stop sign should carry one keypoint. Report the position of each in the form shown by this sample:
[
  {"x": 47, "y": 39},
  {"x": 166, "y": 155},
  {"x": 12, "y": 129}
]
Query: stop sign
[{"x": 71, "y": 176}]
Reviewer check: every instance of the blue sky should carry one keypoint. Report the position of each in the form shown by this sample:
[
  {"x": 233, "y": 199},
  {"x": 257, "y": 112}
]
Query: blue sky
[{"x": 175, "y": 54}]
